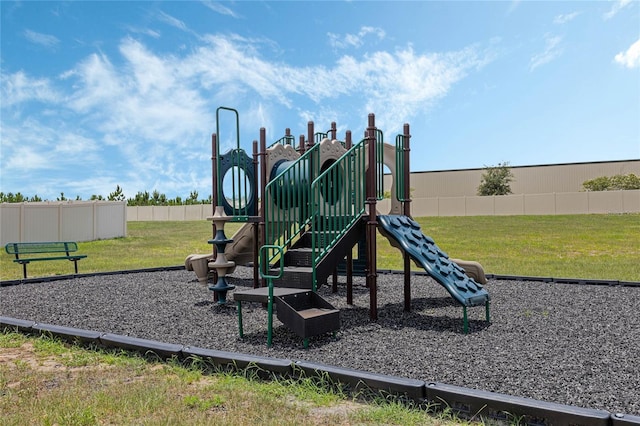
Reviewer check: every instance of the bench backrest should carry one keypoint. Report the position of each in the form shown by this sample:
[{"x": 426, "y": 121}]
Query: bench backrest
[{"x": 48, "y": 247}]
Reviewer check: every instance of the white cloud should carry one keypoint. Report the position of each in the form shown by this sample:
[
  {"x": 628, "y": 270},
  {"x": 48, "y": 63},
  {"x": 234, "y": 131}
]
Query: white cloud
[
  {"x": 338, "y": 41},
  {"x": 170, "y": 20},
  {"x": 219, "y": 8},
  {"x": 153, "y": 114},
  {"x": 630, "y": 58},
  {"x": 551, "y": 51},
  {"x": 564, "y": 18},
  {"x": 144, "y": 31},
  {"x": 18, "y": 88},
  {"x": 45, "y": 40},
  {"x": 618, "y": 5}
]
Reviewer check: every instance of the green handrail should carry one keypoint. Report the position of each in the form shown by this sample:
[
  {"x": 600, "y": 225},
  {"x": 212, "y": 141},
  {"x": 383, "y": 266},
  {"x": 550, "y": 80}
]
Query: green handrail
[
  {"x": 264, "y": 253},
  {"x": 400, "y": 167},
  {"x": 326, "y": 203},
  {"x": 285, "y": 140},
  {"x": 338, "y": 197},
  {"x": 220, "y": 178},
  {"x": 379, "y": 164},
  {"x": 287, "y": 200}
]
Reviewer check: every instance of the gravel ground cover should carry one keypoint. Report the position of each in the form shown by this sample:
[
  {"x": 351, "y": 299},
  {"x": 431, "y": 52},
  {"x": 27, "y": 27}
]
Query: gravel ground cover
[{"x": 569, "y": 344}]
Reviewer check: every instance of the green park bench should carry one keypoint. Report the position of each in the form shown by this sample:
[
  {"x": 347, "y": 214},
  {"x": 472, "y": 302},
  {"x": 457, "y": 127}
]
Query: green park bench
[{"x": 31, "y": 250}]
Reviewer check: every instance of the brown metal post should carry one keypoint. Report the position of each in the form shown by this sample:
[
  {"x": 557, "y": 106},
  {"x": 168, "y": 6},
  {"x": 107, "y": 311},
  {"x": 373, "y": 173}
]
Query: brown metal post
[
  {"x": 333, "y": 130},
  {"x": 254, "y": 226},
  {"x": 348, "y": 145},
  {"x": 301, "y": 147},
  {"x": 287, "y": 133},
  {"x": 406, "y": 210},
  {"x": 372, "y": 223},
  {"x": 214, "y": 201},
  {"x": 262, "y": 193},
  {"x": 310, "y": 138},
  {"x": 214, "y": 172}
]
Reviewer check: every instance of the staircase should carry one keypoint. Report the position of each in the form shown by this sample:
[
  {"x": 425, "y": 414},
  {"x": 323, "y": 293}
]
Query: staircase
[
  {"x": 298, "y": 260},
  {"x": 313, "y": 217},
  {"x": 298, "y": 307}
]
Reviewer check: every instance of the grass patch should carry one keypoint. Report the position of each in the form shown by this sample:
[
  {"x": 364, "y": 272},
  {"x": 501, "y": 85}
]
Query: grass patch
[
  {"x": 39, "y": 387},
  {"x": 575, "y": 246}
]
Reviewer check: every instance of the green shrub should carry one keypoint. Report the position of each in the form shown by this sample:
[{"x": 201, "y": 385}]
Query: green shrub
[{"x": 612, "y": 183}]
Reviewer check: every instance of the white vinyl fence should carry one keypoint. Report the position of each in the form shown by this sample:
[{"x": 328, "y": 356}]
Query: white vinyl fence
[
  {"x": 526, "y": 204},
  {"x": 499, "y": 205},
  {"x": 62, "y": 221}
]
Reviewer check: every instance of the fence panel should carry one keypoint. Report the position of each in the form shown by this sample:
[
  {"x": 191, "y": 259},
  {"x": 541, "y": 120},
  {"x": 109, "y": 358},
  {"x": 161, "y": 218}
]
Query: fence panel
[
  {"x": 10, "y": 223},
  {"x": 76, "y": 222},
  {"x": 62, "y": 221}
]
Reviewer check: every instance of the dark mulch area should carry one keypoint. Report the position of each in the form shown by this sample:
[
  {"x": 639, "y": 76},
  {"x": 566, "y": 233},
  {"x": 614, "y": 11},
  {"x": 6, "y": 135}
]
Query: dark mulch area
[{"x": 569, "y": 344}]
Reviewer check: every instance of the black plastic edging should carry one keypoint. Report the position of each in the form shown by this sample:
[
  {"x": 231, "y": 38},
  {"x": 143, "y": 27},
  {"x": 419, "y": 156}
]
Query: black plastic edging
[
  {"x": 412, "y": 388},
  {"x": 69, "y": 334},
  {"x": 264, "y": 366},
  {"x": 464, "y": 401},
  {"x": 36, "y": 280},
  {"x": 473, "y": 403}
]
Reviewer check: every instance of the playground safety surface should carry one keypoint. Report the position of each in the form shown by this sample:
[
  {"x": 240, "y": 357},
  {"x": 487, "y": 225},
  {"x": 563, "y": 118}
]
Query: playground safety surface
[{"x": 562, "y": 343}]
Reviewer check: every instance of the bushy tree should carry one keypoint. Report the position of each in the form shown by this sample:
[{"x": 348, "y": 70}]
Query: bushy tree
[
  {"x": 612, "y": 183},
  {"x": 496, "y": 180},
  {"x": 116, "y": 195}
]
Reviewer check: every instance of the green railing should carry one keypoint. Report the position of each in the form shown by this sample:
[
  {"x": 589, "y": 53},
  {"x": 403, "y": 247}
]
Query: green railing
[
  {"x": 379, "y": 165},
  {"x": 285, "y": 140},
  {"x": 291, "y": 140},
  {"x": 401, "y": 141},
  {"x": 326, "y": 202},
  {"x": 235, "y": 180},
  {"x": 287, "y": 200},
  {"x": 338, "y": 197}
]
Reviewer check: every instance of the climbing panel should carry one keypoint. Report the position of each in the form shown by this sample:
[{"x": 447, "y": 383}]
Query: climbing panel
[{"x": 404, "y": 233}]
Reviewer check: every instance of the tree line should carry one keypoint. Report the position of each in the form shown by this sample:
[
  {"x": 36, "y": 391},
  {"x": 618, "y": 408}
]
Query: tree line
[
  {"x": 142, "y": 198},
  {"x": 496, "y": 180}
]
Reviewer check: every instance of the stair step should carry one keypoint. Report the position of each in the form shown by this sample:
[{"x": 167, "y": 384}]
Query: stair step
[
  {"x": 261, "y": 294},
  {"x": 300, "y": 256}
]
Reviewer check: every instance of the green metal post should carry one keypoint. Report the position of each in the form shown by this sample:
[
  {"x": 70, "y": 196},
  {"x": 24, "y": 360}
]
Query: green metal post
[
  {"x": 270, "y": 313},
  {"x": 486, "y": 311},
  {"x": 240, "y": 328},
  {"x": 264, "y": 255}
]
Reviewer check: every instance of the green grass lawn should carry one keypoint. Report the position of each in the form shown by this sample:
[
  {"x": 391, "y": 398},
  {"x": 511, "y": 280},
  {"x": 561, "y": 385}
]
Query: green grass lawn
[{"x": 577, "y": 246}]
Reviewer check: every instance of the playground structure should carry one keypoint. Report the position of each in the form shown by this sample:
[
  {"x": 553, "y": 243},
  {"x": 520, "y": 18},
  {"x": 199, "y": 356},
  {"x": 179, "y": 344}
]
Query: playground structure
[{"x": 306, "y": 206}]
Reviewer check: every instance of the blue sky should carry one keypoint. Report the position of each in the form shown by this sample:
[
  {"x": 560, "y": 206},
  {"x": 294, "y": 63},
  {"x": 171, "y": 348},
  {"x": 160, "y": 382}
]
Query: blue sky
[{"x": 99, "y": 94}]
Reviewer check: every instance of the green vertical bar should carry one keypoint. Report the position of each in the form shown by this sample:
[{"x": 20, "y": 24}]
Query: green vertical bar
[
  {"x": 270, "y": 313},
  {"x": 465, "y": 324},
  {"x": 486, "y": 311},
  {"x": 240, "y": 328}
]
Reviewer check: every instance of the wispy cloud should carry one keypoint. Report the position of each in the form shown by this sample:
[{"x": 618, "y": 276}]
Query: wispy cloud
[
  {"x": 220, "y": 8},
  {"x": 631, "y": 57},
  {"x": 551, "y": 51},
  {"x": 617, "y": 6},
  {"x": 45, "y": 40},
  {"x": 153, "y": 112},
  {"x": 18, "y": 88},
  {"x": 338, "y": 41},
  {"x": 144, "y": 31},
  {"x": 564, "y": 18},
  {"x": 170, "y": 20}
]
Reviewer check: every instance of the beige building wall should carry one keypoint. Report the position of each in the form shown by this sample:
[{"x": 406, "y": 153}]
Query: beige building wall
[{"x": 527, "y": 179}]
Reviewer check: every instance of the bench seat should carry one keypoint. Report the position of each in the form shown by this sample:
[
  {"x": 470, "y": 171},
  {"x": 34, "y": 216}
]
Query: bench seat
[{"x": 33, "y": 249}]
